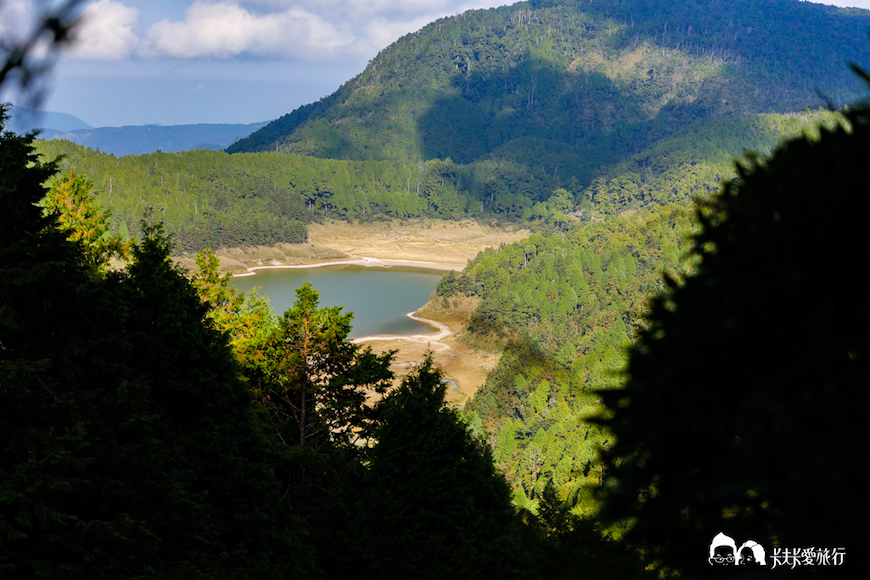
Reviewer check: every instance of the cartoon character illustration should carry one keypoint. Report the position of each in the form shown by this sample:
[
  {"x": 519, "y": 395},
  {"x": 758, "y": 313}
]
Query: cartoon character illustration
[
  {"x": 751, "y": 553},
  {"x": 723, "y": 551}
]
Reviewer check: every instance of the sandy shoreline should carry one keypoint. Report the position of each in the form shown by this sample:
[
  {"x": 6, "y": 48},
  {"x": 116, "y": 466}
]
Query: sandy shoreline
[
  {"x": 364, "y": 261},
  {"x": 443, "y": 332}
]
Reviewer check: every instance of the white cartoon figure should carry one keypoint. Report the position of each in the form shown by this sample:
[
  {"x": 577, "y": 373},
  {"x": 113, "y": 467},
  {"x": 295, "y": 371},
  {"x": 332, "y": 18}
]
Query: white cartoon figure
[
  {"x": 751, "y": 553},
  {"x": 723, "y": 551}
]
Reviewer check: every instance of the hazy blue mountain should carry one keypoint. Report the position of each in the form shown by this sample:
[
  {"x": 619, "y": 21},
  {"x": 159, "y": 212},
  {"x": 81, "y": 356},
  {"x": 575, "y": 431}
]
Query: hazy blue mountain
[
  {"x": 142, "y": 139},
  {"x": 24, "y": 120}
]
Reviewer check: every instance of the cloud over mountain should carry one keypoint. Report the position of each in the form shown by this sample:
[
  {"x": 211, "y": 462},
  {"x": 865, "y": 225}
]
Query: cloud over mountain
[
  {"x": 222, "y": 29},
  {"x": 108, "y": 31}
]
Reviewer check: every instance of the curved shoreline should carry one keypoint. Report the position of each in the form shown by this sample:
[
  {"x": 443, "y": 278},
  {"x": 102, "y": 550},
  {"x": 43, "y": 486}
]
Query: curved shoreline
[
  {"x": 443, "y": 332},
  {"x": 367, "y": 261}
]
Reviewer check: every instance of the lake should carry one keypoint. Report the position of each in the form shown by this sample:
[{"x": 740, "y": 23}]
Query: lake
[{"x": 380, "y": 298}]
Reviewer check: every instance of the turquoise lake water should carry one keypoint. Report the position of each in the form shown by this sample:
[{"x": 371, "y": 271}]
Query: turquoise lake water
[{"x": 380, "y": 298}]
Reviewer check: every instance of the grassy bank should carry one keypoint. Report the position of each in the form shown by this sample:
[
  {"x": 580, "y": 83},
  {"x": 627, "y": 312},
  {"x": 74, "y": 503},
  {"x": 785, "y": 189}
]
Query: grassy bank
[{"x": 425, "y": 240}]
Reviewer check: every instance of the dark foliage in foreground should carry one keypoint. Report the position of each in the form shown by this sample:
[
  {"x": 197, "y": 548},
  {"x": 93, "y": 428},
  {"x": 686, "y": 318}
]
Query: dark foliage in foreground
[{"x": 746, "y": 406}]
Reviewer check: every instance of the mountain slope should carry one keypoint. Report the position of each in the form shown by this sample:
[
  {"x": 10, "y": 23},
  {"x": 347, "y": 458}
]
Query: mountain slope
[{"x": 569, "y": 87}]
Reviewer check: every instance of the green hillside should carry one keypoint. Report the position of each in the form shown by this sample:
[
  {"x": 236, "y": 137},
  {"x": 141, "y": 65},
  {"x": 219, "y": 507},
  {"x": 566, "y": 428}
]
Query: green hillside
[
  {"x": 212, "y": 199},
  {"x": 569, "y": 87},
  {"x": 671, "y": 362},
  {"x": 601, "y": 117},
  {"x": 566, "y": 304}
]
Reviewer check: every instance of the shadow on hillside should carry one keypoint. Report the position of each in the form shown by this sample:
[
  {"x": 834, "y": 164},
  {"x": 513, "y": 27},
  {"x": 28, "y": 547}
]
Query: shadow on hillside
[{"x": 566, "y": 123}]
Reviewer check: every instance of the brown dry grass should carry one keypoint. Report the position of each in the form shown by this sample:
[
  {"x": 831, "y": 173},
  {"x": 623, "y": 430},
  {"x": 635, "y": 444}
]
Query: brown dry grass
[
  {"x": 238, "y": 260},
  {"x": 424, "y": 240}
]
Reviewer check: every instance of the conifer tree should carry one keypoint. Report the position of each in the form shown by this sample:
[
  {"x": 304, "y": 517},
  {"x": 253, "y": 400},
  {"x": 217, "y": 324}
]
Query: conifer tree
[
  {"x": 128, "y": 447},
  {"x": 78, "y": 214},
  {"x": 745, "y": 409},
  {"x": 318, "y": 380},
  {"x": 436, "y": 506}
]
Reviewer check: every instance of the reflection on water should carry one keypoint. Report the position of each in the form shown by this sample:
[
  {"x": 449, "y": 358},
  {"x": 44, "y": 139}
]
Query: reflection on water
[{"x": 380, "y": 298}]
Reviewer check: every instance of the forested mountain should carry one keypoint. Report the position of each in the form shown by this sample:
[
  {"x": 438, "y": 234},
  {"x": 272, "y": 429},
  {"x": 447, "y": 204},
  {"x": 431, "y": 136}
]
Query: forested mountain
[
  {"x": 566, "y": 305},
  {"x": 211, "y": 199},
  {"x": 622, "y": 112},
  {"x": 527, "y": 112},
  {"x": 197, "y": 191},
  {"x": 156, "y": 424},
  {"x": 569, "y": 304},
  {"x": 569, "y": 87}
]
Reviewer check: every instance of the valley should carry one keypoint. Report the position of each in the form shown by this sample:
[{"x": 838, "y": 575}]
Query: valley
[
  {"x": 429, "y": 243},
  {"x": 547, "y": 155},
  {"x": 612, "y": 198}
]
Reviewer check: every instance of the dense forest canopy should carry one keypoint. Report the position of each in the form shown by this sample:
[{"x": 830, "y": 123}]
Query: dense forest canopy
[
  {"x": 568, "y": 305},
  {"x": 211, "y": 199},
  {"x": 571, "y": 86}
]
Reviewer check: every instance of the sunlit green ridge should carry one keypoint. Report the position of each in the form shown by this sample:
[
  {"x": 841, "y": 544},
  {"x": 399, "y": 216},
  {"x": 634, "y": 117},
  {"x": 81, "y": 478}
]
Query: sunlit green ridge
[{"x": 572, "y": 86}]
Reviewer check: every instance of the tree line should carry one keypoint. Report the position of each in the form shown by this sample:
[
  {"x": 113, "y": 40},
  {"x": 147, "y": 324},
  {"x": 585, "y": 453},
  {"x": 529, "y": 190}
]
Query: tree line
[{"x": 211, "y": 199}]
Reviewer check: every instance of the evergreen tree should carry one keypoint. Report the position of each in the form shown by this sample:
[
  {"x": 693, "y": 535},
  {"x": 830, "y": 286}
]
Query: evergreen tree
[
  {"x": 129, "y": 447},
  {"x": 437, "y": 507},
  {"x": 745, "y": 409},
  {"x": 317, "y": 380},
  {"x": 79, "y": 214}
]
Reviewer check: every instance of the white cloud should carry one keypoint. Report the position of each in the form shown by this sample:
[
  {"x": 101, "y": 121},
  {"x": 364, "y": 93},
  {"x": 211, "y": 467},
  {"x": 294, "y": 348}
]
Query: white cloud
[
  {"x": 377, "y": 33},
  {"x": 224, "y": 30},
  {"x": 107, "y": 31},
  {"x": 315, "y": 30},
  {"x": 16, "y": 19},
  {"x": 310, "y": 30}
]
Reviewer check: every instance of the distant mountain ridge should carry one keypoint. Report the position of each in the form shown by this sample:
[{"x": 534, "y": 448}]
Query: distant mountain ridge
[
  {"x": 143, "y": 139},
  {"x": 23, "y": 120},
  {"x": 133, "y": 139},
  {"x": 571, "y": 87}
]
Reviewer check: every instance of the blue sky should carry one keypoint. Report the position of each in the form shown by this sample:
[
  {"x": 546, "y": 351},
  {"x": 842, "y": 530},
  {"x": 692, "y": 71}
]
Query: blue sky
[{"x": 222, "y": 61}]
